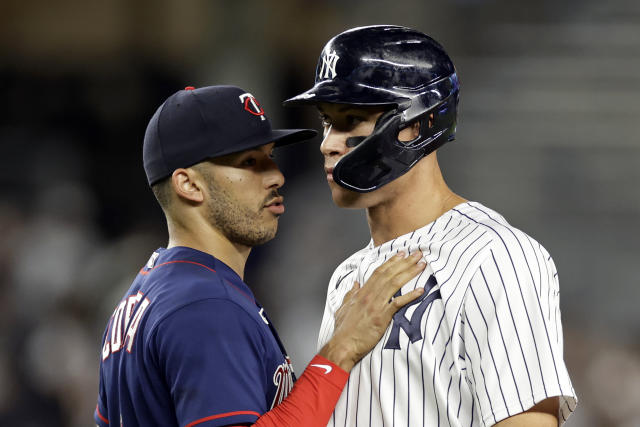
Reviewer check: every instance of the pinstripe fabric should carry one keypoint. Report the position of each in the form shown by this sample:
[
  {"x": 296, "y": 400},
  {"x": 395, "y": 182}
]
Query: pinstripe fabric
[{"x": 487, "y": 339}]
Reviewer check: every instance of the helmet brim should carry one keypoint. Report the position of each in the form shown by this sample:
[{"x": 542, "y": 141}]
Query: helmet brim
[{"x": 343, "y": 92}]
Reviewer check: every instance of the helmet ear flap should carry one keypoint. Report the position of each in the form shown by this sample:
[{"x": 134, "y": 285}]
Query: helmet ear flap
[
  {"x": 420, "y": 122},
  {"x": 437, "y": 126},
  {"x": 354, "y": 141},
  {"x": 385, "y": 116}
]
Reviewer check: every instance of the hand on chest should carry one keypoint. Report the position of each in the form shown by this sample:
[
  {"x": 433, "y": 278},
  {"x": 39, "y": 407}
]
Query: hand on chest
[{"x": 408, "y": 322}]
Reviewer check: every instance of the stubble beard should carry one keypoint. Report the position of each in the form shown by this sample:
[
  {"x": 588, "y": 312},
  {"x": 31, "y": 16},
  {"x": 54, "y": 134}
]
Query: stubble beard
[{"x": 240, "y": 224}]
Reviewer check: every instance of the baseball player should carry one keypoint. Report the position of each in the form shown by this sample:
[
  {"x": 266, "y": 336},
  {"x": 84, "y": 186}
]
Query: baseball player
[
  {"x": 188, "y": 344},
  {"x": 483, "y": 345}
]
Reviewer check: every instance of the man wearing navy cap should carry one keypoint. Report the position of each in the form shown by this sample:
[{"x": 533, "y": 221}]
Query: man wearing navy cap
[{"x": 188, "y": 344}]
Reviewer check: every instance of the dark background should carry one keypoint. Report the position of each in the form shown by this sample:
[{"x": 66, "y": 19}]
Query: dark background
[{"x": 548, "y": 135}]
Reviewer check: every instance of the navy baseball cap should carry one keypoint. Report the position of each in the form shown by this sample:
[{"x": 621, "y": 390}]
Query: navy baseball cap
[{"x": 197, "y": 124}]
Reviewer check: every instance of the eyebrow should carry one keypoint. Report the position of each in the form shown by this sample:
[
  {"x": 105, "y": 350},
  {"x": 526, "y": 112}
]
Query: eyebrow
[
  {"x": 257, "y": 149},
  {"x": 238, "y": 154},
  {"x": 340, "y": 109}
]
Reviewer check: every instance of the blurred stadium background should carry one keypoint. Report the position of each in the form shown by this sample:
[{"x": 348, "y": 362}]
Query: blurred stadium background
[{"x": 548, "y": 135}]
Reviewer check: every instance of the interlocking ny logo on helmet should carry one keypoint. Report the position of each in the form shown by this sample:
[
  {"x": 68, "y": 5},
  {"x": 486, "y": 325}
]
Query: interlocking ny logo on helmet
[
  {"x": 392, "y": 66},
  {"x": 329, "y": 62}
]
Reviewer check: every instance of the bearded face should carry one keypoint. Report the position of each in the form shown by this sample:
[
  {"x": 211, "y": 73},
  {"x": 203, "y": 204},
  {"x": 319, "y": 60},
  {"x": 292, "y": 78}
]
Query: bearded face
[{"x": 241, "y": 219}]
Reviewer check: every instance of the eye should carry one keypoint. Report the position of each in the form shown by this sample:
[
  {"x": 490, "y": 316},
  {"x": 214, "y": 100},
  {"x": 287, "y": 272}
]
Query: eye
[
  {"x": 324, "y": 119},
  {"x": 353, "y": 121},
  {"x": 249, "y": 162}
]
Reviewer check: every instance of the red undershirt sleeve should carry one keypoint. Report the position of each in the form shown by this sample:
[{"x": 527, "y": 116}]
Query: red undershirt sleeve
[{"x": 312, "y": 399}]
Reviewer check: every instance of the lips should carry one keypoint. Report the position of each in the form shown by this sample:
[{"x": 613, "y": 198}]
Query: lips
[
  {"x": 329, "y": 171},
  {"x": 275, "y": 206}
]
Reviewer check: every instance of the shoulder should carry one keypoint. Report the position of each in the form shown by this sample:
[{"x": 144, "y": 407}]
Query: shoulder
[
  {"x": 176, "y": 287},
  {"x": 472, "y": 235},
  {"x": 180, "y": 281},
  {"x": 512, "y": 258},
  {"x": 211, "y": 317},
  {"x": 506, "y": 239}
]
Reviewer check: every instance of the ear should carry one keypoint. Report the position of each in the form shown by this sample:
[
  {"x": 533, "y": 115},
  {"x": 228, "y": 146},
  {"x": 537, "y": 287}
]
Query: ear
[
  {"x": 187, "y": 186},
  {"x": 410, "y": 133}
]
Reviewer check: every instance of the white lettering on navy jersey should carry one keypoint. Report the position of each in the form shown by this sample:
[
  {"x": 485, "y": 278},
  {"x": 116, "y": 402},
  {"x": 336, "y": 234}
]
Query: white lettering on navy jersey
[
  {"x": 116, "y": 328},
  {"x": 135, "y": 322},
  {"x": 484, "y": 341},
  {"x": 283, "y": 380},
  {"x": 122, "y": 326}
]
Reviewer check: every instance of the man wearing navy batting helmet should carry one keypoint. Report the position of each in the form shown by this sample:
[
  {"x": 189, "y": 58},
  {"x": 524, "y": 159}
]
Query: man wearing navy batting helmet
[
  {"x": 188, "y": 344},
  {"x": 483, "y": 345}
]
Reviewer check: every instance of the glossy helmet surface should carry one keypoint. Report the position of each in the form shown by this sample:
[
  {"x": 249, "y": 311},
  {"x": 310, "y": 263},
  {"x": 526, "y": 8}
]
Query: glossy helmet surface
[{"x": 392, "y": 66}]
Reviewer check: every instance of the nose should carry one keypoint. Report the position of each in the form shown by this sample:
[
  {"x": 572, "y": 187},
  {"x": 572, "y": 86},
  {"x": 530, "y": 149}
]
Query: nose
[
  {"x": 334, "y": 143},
  {"x": 273, "y": 177}
]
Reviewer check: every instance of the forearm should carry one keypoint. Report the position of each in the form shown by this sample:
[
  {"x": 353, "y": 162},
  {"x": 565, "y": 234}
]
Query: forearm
[{"x": 312, "y": 399}]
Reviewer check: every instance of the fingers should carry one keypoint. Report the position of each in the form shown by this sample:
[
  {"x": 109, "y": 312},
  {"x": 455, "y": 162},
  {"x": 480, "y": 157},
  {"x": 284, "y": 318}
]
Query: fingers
[
  {"x": 392, "y": 264},
  {"x": 399, "y": 274},
  {"x": 405, "y": 272},
  {"x": 399, "y": 262},
  {"x": 398, "y": 302},
  {"x": 387, "y": 274}
]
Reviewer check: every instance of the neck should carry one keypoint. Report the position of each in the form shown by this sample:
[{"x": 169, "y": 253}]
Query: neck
[
  {"x": 210, "y": 240},
  {"x": 421, "y": 197}
]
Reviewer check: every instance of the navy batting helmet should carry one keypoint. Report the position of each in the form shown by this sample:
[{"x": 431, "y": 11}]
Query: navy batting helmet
[{"x": 390, "y": 66}]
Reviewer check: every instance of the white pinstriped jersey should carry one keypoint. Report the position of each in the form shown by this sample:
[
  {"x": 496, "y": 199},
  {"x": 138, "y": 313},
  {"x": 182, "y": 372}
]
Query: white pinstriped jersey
[{"x": 483, "y": 343}]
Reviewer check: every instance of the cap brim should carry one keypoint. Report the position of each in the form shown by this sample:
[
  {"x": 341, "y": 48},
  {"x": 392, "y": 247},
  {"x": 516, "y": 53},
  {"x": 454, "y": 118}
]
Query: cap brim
[
  {"x": 290, "y": 136},
  {"x": 281, "y": 137},
  {"x": 342, "y": 92}
]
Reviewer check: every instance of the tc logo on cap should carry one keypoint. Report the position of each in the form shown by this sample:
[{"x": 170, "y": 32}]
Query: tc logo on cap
[{"x": 252, "y": 105}]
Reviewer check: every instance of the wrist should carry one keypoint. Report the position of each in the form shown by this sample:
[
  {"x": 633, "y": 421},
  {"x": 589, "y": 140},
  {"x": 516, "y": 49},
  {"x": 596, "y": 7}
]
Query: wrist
[{"x": 336, "y": 352}]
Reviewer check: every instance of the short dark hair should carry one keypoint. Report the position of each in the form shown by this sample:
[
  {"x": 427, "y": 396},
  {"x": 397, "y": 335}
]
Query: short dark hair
[
  {"x": 162, "y": 191},
  {"x": 162, "y": 188}
]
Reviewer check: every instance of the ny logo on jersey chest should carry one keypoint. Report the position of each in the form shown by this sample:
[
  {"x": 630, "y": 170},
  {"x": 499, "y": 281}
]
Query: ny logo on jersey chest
[{"x": 412, "y": 327}]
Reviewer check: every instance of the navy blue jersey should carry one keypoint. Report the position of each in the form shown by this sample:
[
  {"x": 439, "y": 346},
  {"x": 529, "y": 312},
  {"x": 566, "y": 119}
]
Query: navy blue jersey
[{"x": 189, "y": 345}]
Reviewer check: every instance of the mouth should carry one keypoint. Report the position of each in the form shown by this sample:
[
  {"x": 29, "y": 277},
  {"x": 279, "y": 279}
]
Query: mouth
[
  {"x": 329, "y": 171},
  {"x": 275, "y": 206}
]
